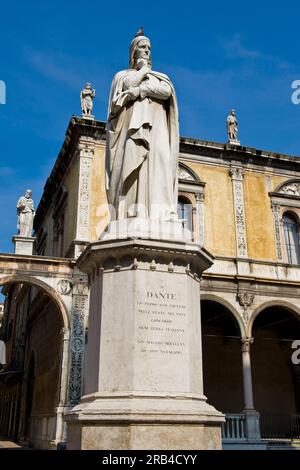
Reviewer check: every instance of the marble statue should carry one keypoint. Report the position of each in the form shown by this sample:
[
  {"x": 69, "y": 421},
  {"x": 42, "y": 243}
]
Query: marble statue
[
  {"x": 142, "y": 139},
  {"x": 26, "y": 213},
  {"x": 232, "y": 127},
  {"x": 86, "y": 97}
]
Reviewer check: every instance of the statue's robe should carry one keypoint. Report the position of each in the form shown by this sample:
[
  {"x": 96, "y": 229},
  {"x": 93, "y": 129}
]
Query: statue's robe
[
  {"x": 142, "y": 147},
  {"x": 25, "y": 207}
]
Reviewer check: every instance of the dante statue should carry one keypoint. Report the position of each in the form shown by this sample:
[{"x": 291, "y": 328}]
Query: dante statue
[
  {"x": 232, "y": 127},
  {"x": 26, "y": 213},
  {"x": 86, "y": 98},
  {"x": 142, "y": 139}
]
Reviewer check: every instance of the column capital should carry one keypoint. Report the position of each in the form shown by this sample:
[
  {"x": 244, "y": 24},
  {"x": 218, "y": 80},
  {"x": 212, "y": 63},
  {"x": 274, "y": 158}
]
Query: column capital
[
  {"x": 275, "y": 206},
  {"x": 85, "y": 152},
  {"x": 199, "y": 197},
  {"x": 80, "y": 287},
  {"x": 237, "y": 173},
  {"x": 246, "y": 342}
]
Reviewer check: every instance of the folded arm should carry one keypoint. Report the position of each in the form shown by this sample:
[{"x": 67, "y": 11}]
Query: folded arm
[
  {"x": 158, "y": 89},
  {"x": 129, "y": 90}
]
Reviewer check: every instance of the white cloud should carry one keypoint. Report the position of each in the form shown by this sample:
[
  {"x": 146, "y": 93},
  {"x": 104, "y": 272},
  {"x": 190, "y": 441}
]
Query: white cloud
[{"x": 235, "y": 49}]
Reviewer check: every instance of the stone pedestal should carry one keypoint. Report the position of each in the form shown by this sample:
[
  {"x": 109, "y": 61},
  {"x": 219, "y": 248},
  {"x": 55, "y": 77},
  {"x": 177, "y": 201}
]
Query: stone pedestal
[
  {"x": 253, "y": 428},
  {"x": 143, "y": 370},
  {"x": 234, "y": 142},
  {"x": 23, "y": 245},
  {"x": 90, "y": 117}
]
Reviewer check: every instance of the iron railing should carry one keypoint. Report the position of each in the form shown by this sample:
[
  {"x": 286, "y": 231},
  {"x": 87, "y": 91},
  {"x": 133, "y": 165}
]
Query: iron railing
[{"x": 280, "y": 426}]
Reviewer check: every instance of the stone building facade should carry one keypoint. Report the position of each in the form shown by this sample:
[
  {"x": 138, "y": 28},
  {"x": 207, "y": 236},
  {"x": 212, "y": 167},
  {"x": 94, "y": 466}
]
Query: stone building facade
[{"x": 243, "y": 205}]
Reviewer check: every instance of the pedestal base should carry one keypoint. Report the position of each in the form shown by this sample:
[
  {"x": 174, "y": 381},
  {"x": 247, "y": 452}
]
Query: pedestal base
[
  {"x": 147, "y": 229},
  {"x": 115, "y": 421},
  {"x": 143, "y": 373},
  {"x": 144, "y": 437},
  {"x": 90, "y": 117},
  {"x": 234, "y": 142},
  {"x": 23, "y": 245}
]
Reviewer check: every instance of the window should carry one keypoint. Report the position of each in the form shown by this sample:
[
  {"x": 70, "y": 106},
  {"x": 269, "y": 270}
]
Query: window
[
  {"x": 291, "y": 237},
  {"x": 185, "y": 213}
]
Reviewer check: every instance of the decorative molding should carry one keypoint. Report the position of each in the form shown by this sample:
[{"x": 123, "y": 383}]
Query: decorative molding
[
  {"x": 292, "y": 189},
  {"x": 65, "y": 333},
  {"x": 86, "y": 152},
  {"x": 237, "y": 175},
  {"x": 171, "y": 267},
  {"x": 85, "y": 163},
  {"x": 199, "y": 232},
  {"x": 79, "y": 315},
  {"x": 246, "y": 343},
  {"x": 276, "y": 212},
  {"x": 184, "y": 175},
  {"x": 245, "y": 299},
  {"x": 64, "y": 287},
  {"x": 153, "y": 265},
  {"x": 199, "y": 197},
  {"x": 80, "y": 287}
]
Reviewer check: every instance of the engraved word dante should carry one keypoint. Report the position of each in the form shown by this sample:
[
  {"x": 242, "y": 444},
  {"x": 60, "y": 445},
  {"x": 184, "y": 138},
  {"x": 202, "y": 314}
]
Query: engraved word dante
[{"x": 161, "y": 295}]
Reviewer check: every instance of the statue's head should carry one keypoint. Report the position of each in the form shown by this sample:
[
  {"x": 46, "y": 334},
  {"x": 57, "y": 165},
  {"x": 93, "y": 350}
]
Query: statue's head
[
  {"x": 140, "y": 50},
  {"x": 28, "y": 193},
  {"x": 232, "y": 112},
  {"x": 88, "y": 85}
]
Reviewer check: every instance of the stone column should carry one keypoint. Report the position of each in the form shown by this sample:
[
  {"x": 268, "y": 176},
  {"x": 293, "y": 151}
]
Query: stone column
[
  {"x": 247, "y": 375},
  {"x": 237, "y": 175},
  {"x": 143, "y": 371},
  {"x": 199, "y": 218},
  {"x": 85, "y": 156},
  {"x": 253, "y": 431},
  {"x": 276, "y": 210},
  {"x": 63, "y": 392}
]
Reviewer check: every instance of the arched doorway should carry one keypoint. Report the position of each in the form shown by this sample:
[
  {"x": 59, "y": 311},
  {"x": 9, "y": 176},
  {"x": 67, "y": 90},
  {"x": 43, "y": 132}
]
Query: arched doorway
[
  {"x": 222, "y": 362},
  {"x": 30, "y": 382},
  {"x": 276, "y": 379}
]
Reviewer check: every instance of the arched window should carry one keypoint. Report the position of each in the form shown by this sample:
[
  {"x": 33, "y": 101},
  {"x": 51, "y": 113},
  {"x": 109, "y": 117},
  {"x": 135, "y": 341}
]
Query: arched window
[
  {"x": 185, "y": 212},
  {"x": 291, "y": 237}
]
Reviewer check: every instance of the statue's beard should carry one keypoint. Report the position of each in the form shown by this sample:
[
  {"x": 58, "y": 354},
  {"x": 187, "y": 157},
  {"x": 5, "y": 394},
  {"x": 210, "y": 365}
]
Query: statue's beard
[{"x": 145, "y": 60}]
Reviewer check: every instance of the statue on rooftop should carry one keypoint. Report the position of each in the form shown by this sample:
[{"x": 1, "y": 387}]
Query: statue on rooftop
[
  {"x": 26, "y": 213},
  {"x": 232, "y": 128},
  {"x": 87, "y": 95}
]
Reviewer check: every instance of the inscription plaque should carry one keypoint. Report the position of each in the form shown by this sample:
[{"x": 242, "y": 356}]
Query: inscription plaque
[{"x": 161, "y": 324}]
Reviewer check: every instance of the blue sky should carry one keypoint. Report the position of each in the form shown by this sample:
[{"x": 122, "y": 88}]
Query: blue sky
[{"x": 219, "y": 55}]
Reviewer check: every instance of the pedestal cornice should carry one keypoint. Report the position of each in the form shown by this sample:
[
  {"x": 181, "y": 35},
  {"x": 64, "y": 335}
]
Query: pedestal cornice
[{"x": 161, "y": 255}]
